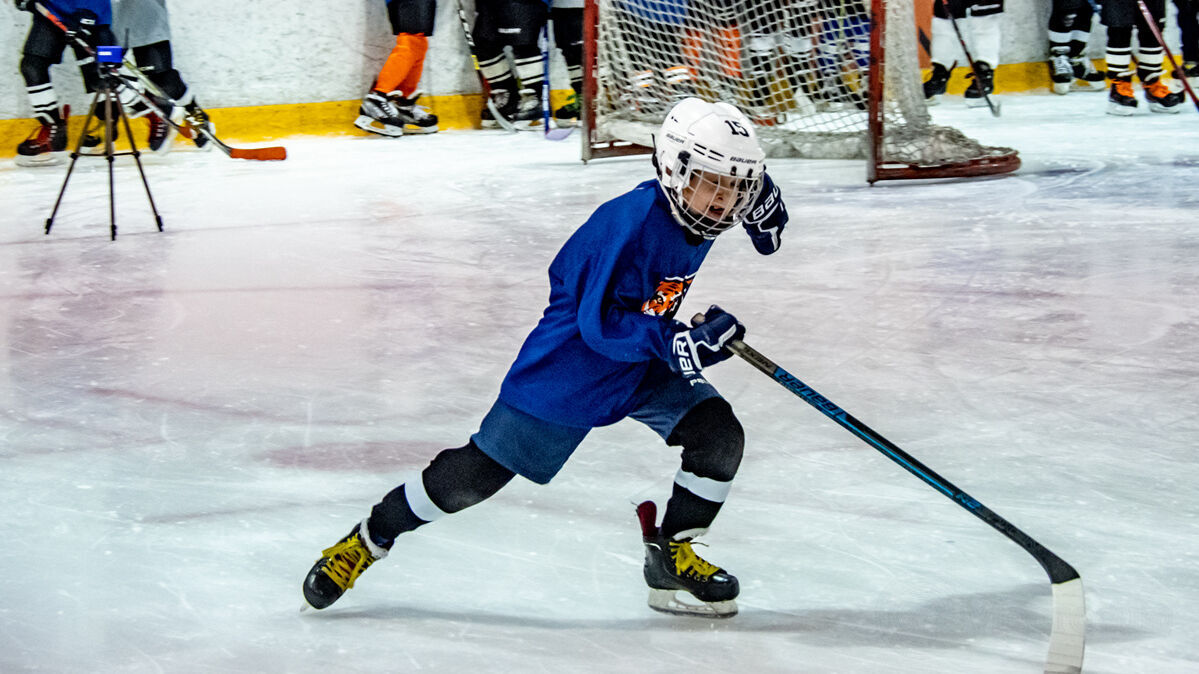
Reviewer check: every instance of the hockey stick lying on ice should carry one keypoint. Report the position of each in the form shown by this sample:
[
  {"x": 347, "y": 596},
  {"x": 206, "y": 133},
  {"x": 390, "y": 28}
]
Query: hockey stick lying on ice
[
  {"x": 1157, "y": 33},
  {"x": 1067, "y": 639},
  {"x": 258, "y": 154}
]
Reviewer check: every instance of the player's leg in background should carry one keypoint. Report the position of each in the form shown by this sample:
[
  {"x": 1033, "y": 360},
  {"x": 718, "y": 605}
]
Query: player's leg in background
[
  {"x": 1150, "y": 56},
  {"x": 493, "y": 61},
  {"x": 1188, "y": 30},
  {"x": 568, "y": 37},
  {"x": 984, "y": 28},
  {"x": 1119, "y": 19},
  {"x": 943, "y": 48},
  {"x": 43, "y": 48},
  {"x": 524, "y": 21},
  {"x": 412, "y": 23},
  {"x": 1064, "y": 16},
  {"x": 156, "y": 62},
  {"x": 1086, "y": 76}
]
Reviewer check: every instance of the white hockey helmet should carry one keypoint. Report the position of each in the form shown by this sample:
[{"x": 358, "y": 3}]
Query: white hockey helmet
[{"x": 709, "y": 165}]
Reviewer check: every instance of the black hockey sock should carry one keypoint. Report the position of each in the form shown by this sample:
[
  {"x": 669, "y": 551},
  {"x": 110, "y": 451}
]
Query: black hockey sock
[
  {"x": 686, "y": 511},
  {"x": 456, "y": 479}
]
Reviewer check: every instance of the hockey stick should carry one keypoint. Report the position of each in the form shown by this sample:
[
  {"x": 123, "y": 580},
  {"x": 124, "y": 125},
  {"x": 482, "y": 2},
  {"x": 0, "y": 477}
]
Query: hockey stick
[
  {"x": 1162, "y": 41},
  {"x": 474, "y": 60},
  {"x": 258, "y": 154},
  {"x": 550, "y": 134},
  {"x": 1066, "y": 639},
  {"x": 962, "y": 41}
]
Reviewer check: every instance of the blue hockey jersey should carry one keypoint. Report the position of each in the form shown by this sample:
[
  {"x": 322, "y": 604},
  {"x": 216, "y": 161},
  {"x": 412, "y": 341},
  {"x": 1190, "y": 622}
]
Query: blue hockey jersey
[
  {"x": 66, "y": 8},
  {"x": 614, "y": 289}
]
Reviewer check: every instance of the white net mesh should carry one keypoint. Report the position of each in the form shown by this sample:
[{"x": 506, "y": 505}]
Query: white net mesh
[{"x": 798, "y": 68}]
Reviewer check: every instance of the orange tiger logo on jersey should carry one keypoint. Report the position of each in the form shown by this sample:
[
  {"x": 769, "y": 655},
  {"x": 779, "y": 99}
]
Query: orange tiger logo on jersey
[{"x": 667, "y": 297}]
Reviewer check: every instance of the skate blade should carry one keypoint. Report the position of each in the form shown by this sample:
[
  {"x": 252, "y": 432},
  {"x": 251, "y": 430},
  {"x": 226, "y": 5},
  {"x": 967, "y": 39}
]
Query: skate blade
[
  {"x": 1063, "y": 88},
  {"x": 418, "y": 130},
  {"x": 681, "y": 602},
  {"x": 1083, "y": 85},
  {"x": 375, "y": 126},
  {"x": 44, "y": 159},
  {"x": 1120, "y": 110}
]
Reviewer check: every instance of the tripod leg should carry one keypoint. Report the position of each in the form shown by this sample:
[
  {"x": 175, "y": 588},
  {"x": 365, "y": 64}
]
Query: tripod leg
[
  {"x": 91, "y": 113},
  {"x": 137, "y": 157},
  {"x": 110, "y": 156}
]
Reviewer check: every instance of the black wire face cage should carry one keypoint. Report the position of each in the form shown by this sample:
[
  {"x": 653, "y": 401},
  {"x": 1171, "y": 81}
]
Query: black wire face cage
[{"x": 707, "y": 203}]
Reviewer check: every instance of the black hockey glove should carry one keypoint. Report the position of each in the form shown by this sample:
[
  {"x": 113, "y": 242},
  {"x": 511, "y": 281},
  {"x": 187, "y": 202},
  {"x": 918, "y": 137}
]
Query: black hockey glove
[
  {"x": 766, "y": 218},
  {"x": 22, "y": 5},
  {"x": 85, "y": 26},
  {"x": 703, "y": 345}
]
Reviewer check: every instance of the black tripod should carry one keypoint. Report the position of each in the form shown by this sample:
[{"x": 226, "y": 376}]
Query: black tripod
[{"x": 106, "y": 96}]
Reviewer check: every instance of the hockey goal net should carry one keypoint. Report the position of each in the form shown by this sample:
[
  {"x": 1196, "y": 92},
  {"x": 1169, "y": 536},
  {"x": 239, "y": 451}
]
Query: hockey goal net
[{"x": 822, "y": 79}]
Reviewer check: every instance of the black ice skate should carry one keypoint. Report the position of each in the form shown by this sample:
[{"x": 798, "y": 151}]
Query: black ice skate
[
  {"x": 379, "y": 115},
  {"x": 505, "y": 102},
  {"x": 680, "y": 581},
  {"x": 528, "y": 110},
  {"x": 46, "y": 146},
  {"x": 197, "y": 120},
  {"x": 935, "y": 85},
  {"x": 1086, "y": 77},
  {"x": 521, "y": 110},
  {"x": 162, "y": 134},
  {"x": 339, "y": 566},
  {"x": 416, "y": 118},
  {"x": 980, "y": 86},
  {"x": 1120, "y": 101},
  {"x": 1161, "y": 99},
  {"x": 1061, "y": 73}
]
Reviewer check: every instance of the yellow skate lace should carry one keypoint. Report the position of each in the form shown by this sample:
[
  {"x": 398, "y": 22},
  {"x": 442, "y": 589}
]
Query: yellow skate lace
[
  {"x": 347, "y": 560},
  {"x": 686, "y": 562}
]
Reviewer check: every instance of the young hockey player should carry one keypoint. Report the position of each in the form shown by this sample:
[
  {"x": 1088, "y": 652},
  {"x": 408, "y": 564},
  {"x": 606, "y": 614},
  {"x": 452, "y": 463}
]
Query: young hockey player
[
  {"x": 389, "y": 108},
  {"x": 979, "y": 21},
  {"x": 1069, "y": 29},
  {"x": 43, "y": 48},
  {"x": 144, "y": 27},
  {"x": 608, "y": 347},
  {"x": 1120, "y": 17}
]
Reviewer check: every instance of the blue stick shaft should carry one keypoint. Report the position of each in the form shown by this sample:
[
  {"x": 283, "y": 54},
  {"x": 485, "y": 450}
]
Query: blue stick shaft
[{"x": 1059, "y": 571}]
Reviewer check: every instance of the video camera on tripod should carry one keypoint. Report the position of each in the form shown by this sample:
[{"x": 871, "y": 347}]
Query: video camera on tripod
[{"x": 107, "y": 107}]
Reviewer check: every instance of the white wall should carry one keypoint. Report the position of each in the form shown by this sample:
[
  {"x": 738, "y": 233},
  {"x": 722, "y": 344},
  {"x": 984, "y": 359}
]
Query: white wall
[{"x": 260, "y": 52}]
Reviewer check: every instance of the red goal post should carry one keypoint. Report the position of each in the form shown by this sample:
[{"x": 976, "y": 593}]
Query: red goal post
[{"x": 831, "y": 79}]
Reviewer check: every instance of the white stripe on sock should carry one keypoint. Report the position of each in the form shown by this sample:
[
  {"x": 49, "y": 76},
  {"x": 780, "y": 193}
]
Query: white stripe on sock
[
  {"x": 42, "y": 97},
  {"x": 703, "y": 487},
  {"x": 418, "y": 499}
]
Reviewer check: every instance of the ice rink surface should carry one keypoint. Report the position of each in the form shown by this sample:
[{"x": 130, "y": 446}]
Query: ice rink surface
[{"x": 187, "y": 418}]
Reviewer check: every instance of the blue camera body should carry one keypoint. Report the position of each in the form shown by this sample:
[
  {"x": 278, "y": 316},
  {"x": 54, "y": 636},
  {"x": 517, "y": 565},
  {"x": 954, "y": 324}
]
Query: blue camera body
[{"x": 110, "y": 54}]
